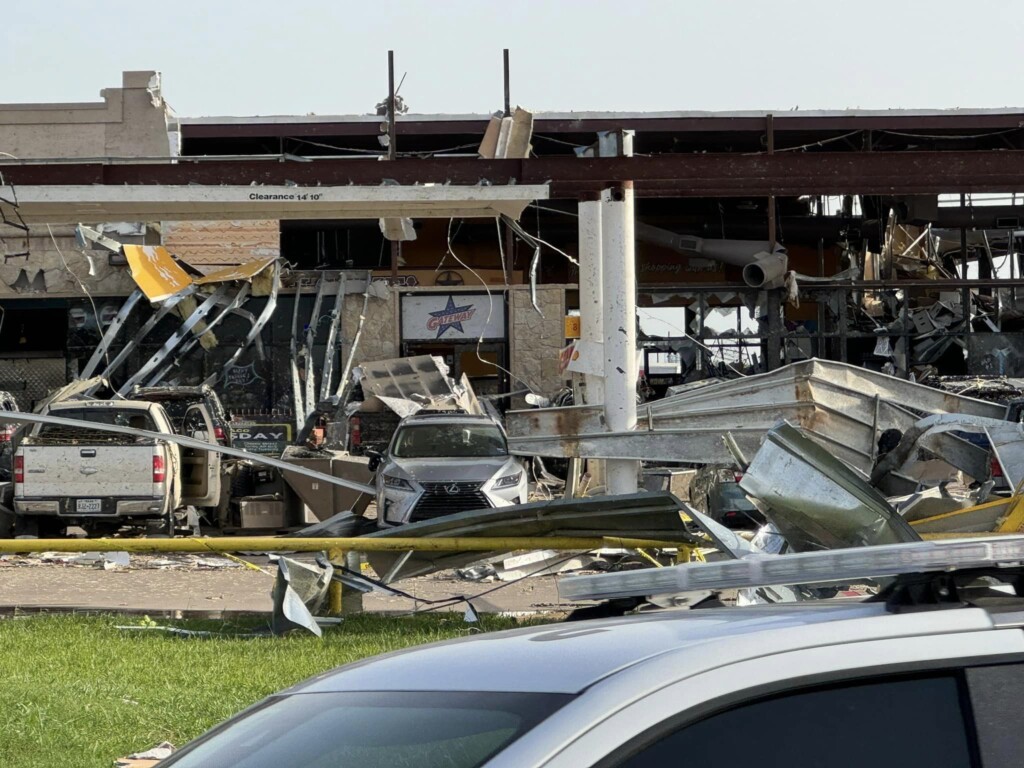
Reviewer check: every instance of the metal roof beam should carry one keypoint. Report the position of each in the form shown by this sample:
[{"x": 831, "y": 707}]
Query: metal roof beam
[{"x": 667, "y": 175}]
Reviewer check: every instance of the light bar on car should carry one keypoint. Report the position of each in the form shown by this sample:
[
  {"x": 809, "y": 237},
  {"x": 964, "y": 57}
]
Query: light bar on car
[{"x": 835, "y": 565}]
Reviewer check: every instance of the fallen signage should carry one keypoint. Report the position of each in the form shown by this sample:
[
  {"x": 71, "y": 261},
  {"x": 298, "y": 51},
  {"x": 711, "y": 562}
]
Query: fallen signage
[{"x": 266, "y": 438}]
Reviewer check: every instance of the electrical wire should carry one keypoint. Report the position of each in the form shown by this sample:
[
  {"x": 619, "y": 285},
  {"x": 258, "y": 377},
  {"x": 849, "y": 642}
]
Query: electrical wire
[
  {"x": 698, "y": 342},
  {"x": 821, "y": 143},
  {"x": 95, "y": 312},
  {"x": 501, "y": 250},
  {"x": 381, "y": 153},
  {"x": 534, "y": 240},
  {"x": 554, "y": 210},
  {"x": 810, "y": 144},
  {"x": 354, "y": 150},
  {"x": 436, "y": 605},
  {"x": 490, "y": 309},
  {"x": 559, "y": 141},
  {"x": 958, "y": 137}
]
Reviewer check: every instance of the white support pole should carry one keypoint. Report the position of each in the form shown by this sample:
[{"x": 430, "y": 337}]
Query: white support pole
[
  {"x": 591, "y": 298},
  {"x": 619, "y": 309}
]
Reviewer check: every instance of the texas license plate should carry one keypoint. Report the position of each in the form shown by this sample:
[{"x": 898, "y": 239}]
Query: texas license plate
[{"x": 88, "y": 505}]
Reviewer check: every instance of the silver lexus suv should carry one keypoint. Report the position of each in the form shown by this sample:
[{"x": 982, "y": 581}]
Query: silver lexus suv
[{"x": 444, "y": 462}]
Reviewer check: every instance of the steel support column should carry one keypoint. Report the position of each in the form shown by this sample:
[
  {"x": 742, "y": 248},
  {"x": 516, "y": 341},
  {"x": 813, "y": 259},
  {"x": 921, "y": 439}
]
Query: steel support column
[
  {"x": 591, "y": 289},
  {"x": 618, "y": 288}
]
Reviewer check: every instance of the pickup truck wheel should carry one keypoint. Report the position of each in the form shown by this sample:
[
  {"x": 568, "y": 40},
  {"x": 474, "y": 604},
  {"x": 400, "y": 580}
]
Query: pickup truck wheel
[
  {"x": 26, "y": 526},
  {"x": 39, "y": 528},
  {"x": 7, "y": 523}
]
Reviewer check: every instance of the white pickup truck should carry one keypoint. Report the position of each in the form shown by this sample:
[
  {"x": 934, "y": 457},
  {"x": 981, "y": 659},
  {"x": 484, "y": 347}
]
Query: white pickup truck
[{"x": 102, "y": 480}]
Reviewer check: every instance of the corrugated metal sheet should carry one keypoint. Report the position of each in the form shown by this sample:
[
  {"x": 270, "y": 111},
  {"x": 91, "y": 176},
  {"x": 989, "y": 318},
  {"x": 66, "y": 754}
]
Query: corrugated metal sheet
[{"x": 842, "y": 406}]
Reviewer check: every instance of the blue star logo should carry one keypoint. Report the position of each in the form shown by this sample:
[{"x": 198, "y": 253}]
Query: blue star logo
[{"x": 450, "y": 317}]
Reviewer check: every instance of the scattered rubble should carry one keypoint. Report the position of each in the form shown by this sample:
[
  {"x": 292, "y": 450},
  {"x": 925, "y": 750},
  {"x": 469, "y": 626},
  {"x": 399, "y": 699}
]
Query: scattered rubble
[
  {"x": 147, "y": 759},
  {"x": 300, "y": 590},
  {"x": 652, "y": 516}
]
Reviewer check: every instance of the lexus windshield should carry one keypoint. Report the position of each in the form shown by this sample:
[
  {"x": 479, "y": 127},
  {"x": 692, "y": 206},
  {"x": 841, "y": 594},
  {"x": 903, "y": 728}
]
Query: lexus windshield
[{"x": 430, "y": 441}]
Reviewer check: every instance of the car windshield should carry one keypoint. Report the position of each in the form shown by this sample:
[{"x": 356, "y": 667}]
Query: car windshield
[
  {"x": 136, "y": 419},
  {"x": 122, "y": 418},
  {"x": 428, "y": 441},
  {"x": 436, "y": 729}
]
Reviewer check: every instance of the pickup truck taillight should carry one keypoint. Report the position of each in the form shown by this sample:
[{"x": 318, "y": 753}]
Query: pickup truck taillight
[
  {"x": 6, "y": 433},
  {"x": 159, "y": 470},
  {"x": 218, "y": 432},
  {"x": 19, "y": 469},
  {"x": 357, "y": 430}
]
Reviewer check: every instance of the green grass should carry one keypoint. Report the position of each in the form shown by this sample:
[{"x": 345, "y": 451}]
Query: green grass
[{"x": 76, "y": 692}]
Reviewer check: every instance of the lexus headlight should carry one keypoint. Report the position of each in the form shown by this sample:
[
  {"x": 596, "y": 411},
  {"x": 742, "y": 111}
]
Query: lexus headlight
[
  {"x": 509, "y": 481},
  {"x": 390, "y": 481}
]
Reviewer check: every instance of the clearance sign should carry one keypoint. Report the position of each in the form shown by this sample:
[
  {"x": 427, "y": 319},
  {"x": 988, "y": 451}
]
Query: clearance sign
[{"x": 453, "y": 316}]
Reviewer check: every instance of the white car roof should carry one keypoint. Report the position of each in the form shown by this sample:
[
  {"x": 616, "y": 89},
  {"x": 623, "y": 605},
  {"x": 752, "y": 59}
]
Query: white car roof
[{"x": 570, "y": 657}]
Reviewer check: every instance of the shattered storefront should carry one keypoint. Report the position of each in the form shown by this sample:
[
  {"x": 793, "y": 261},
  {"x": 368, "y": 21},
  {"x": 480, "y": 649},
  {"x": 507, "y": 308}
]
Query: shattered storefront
[
  {"x": 468, "y": 330},
  {"x": 49, "y": 342}
]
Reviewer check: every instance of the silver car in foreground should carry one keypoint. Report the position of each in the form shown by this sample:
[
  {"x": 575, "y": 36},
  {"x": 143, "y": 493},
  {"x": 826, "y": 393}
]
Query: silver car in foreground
[
  {"x": 824, "y": 685},
  {"x": 933, "y": 679},
  {"x": 441, "y": 463}
]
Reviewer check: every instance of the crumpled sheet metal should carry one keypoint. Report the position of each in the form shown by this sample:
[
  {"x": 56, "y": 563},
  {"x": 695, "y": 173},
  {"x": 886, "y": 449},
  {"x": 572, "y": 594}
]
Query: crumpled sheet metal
[
  {"x": 815, "y": 500},
  {"x": 931, "y": 432},
  {"x": 1007, "y": 440},
  {"x": 407, "y": 385},
  {"x": 300, "y": 590},
  {"x": 246, "y": 271},
  {"x": 422, "y": 376},
  {"x": 643, "y": 515},
  {"x": 843, "y": 406},
  {"x": 343, "y": 525}
]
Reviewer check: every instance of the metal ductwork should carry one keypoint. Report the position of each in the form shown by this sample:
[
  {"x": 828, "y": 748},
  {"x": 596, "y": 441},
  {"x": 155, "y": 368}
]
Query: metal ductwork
[
  {"x": 761, "y": 267},
  {"x": 767, "y": 270}
]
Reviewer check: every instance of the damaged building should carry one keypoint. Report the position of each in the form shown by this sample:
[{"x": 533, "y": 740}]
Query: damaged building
[{"x": 888, "y": 240}]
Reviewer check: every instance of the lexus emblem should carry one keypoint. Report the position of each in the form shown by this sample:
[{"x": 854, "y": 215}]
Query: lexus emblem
[{"x": 452, "y": 490}]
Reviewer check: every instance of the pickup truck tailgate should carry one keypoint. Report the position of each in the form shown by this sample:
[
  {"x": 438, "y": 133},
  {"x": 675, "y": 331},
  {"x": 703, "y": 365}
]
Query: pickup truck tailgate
[{"x": 87, "y": 471}]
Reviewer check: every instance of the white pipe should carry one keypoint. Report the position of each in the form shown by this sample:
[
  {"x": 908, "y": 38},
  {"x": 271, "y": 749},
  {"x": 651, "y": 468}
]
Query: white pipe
[
  {"x": 591, "y": 299},
  {"x": 618, "y": 256},
  {"x": 766, "y": 271},
  {"x": 761, "y": 268}
]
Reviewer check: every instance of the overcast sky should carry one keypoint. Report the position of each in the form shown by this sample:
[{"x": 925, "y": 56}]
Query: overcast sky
[{"x": 246, "y": 57}]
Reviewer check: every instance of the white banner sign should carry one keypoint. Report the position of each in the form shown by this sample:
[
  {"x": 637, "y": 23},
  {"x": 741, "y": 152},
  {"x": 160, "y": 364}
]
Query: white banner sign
[{"x": 454, "y": 316}]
